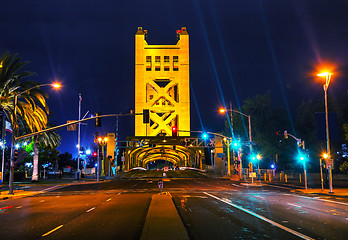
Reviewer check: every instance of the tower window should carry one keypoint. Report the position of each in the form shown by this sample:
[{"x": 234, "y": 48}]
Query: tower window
[
  {"x": 148, "y": 63},
  {"x": 166, "y": 63},
  {"x": 175, "y": 63},
  {"x": 157, "y": 63}
]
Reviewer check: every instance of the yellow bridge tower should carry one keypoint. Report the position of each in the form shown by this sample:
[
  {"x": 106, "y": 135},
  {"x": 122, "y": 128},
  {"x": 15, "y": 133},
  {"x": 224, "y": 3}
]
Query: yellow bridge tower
[{"x": 162, "y": 85}]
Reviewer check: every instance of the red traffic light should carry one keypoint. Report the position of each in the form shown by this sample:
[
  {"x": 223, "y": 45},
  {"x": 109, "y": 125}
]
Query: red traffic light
[
  {"x": 174, "y": 131},
  {"x": 95, "y": 154}
]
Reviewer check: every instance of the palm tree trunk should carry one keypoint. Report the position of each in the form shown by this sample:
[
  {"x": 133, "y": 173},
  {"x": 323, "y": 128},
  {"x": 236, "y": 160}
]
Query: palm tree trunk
[{"x": 35, "y": 176}]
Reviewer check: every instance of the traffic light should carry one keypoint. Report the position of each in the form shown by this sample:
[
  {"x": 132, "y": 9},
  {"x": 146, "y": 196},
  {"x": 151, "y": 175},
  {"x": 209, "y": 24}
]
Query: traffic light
[
  {"x": 236, "y": 144},
  {"x": 299, "y": 143},
  {"x": 98, "y": 121},
  {"x": 15, "y": 154},
  {"x": 279, "y": 139},
  {"x": 174, "y": 131},
  {"x": 205, "y": 136},
  {"x": 285, "y": 134},
  {"x": 302, "y": 156},
  {"x": 146, "y": 116},
  {"x": 95, "y": 154}
]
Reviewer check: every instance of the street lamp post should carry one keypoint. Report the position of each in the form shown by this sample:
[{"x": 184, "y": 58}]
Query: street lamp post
[
  {"x": 14, "y": 130},
  {"x": 327, "y": 76},
  {"x": 228, "y": 142},
  {"x": 223, "y": 110},
  {"x": 102, "y": 143}
]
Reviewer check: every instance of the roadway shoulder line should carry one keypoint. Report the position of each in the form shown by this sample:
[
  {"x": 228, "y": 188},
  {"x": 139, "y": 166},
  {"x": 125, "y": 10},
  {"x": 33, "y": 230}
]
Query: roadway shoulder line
[
  {"x": 44, "y": 235},
  {"x": 262, "y": 218}
]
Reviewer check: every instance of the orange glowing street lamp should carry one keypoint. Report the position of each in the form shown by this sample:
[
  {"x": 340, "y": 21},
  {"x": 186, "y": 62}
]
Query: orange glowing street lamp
[
  {"x": 102, "y": 142},
  {"x": 327, "y": 76},
  {"x": 56, "y": 85}
]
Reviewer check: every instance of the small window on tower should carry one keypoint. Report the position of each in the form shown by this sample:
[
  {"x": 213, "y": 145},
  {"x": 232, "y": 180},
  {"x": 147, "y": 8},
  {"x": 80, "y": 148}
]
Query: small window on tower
[
  {"x": 148, "y": 63},
  {"x": 157, "y": 63},
  {"x": 166, "y": 63},
  {"x": 175, "y": 63}
]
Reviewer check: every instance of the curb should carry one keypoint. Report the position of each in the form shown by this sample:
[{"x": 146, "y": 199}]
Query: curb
[{"x": 320, "y": 193}]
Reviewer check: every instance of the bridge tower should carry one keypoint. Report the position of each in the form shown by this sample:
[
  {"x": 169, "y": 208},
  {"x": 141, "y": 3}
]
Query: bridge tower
[{"x": 162, "y": 85}]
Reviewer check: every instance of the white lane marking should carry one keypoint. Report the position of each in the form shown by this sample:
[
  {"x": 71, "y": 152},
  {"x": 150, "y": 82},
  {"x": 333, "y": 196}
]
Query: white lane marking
[
  {"x": 294, "y": 205},
  {"x": 55, "y": 229},
  {"x": 108, "y": 199},
  {"x": 119, "y": 193},
  {"x": 90, "y": 209},
  {"x": 236, "y": 185},
  {"x": 189, "y": 196},
  {"x": 262, "y": 218},
  {"x": 52, "y": 188},
  {"x": 259, "y": 197},
  {"x": 19, "y": 207},
  {"x": 325, "y": 200},
  {"x": 42, "y": 200}
]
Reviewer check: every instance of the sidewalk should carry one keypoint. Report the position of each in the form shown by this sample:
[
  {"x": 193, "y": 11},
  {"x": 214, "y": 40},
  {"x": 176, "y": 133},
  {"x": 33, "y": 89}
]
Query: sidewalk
[{"x": 337, "y": 192}]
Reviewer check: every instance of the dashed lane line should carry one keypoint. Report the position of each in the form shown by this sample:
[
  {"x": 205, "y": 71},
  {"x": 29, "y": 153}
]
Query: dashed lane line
[
  {"x": 294, "y": 205},
  {"x": 55, "y": 229},
  {"x": 262, "y": 217},
  {"x": 91, "y": 209}
]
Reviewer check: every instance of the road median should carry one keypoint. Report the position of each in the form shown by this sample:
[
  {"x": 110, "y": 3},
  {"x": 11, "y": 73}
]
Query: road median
[{"x": 163, "y": 220}]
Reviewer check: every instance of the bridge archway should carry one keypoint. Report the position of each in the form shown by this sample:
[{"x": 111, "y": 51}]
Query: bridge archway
[{"x": 161, "y": 149}]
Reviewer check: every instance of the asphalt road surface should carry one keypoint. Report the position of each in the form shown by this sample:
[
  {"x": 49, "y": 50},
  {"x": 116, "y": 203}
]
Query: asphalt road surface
[{"x": 209, "y": 209}]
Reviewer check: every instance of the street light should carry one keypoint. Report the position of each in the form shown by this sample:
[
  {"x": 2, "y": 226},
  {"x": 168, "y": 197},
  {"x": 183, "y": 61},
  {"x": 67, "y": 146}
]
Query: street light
[
  {"x": 102, "y": 142},
  {"x": 224, "y": 110},
  {"x": 327, "y": 76},
  {"x": 14, "y": 129}
]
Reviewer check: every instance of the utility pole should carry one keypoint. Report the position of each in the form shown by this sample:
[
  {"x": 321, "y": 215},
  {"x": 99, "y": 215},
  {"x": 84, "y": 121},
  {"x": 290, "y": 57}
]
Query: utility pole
[
  {"x": 116, "y": 146},
  {"x": 78, "y": 176}
]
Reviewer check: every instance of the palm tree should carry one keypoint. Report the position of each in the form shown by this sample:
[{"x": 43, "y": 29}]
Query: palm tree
[
  {"x": 23, "y": 103},
  {"x": 31, "y": 107}
]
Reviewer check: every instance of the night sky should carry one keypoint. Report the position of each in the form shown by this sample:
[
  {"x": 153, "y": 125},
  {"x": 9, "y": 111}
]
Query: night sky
[{"x": 238, "y": 49}]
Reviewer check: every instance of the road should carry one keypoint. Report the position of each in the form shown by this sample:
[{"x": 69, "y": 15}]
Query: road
[{"x": 209, "y": 209}]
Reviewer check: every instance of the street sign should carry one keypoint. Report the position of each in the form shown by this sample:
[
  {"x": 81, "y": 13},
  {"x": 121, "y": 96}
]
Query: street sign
[
  {"x": 160, "y": 184},
  {"x": 72, "y": 127},
  {"x": 252, "y": 174},
  {"x": 329, "y": 164}
]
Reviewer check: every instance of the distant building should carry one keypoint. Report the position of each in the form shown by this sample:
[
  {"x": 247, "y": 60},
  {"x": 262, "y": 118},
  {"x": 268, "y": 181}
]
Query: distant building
[{"x": 162, "y": 85}]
